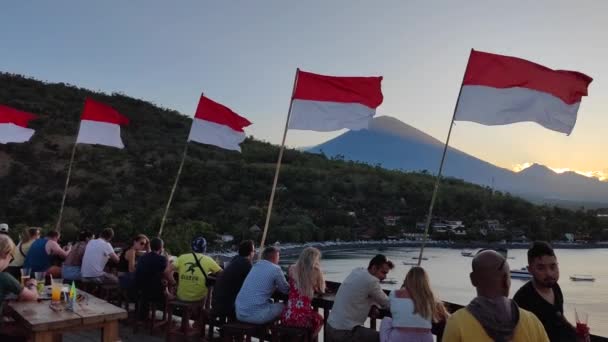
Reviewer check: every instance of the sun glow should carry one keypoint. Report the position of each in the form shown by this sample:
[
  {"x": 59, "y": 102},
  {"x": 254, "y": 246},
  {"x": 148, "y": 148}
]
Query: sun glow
[{"x": 601, "y": 175}]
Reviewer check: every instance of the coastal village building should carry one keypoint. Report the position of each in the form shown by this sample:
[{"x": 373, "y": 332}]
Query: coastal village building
[
  {"x": 226, "y": 238},
  {"x": 391, "y": 221}
]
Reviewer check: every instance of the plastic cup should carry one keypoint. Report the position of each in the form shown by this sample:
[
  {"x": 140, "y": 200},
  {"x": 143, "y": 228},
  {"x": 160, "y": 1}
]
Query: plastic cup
[
  {"x": 25, "y": 275},
  {"x": 582, "y": 319}
]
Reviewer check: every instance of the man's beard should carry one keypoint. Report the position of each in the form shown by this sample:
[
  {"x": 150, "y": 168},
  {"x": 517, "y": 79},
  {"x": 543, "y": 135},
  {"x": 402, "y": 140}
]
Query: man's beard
[{"x": 546, "y": 282}]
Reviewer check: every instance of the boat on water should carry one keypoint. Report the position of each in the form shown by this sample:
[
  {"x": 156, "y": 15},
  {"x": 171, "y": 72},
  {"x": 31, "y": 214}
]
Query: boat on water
[
  {"x": 389, "y": 281},
  {"x": 466, "y": 253},
  {"x": 582, "y": 277},
  {"x": 521, "y": 273},
  {"x": 409, "y": 263},
  {"x": 471, "y": 252},
  {"x": 423, "y": 258}
]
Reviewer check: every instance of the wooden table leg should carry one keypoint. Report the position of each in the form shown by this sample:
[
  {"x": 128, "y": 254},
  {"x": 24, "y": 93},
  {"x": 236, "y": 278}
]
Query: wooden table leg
[
  {"x": 325, "y": 316},
  {"x": 44, "y": 336},
  {"x": 109, "y": 332}
]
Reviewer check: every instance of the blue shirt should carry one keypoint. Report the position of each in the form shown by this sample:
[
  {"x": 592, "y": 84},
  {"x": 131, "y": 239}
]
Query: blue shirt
[
  {"x": 264, "y": 278},
  {"x": 37, "y": 259}
]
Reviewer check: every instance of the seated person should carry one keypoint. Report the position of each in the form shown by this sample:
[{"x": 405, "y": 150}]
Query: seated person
[
  {"x": 73, "y": 263},
  {"x": 253, "y": 303},
  {"x": 9, "y": 285},
  {"x": 413, "y": 310},
  {"x": 28, "y": 237},
  {"x": 193, "y": 269},
  {"x": 492, "y": 316},
  {"x": 359, "y": 292},
  {"x": 39, "y": 257},
  {"x": 305, "y": 279},
  {"x": 230, "y": 281},
  {"x": 151, "y": 274},
  {"x": 96, "y": 256},
  {"x": 128, "y": 260}
]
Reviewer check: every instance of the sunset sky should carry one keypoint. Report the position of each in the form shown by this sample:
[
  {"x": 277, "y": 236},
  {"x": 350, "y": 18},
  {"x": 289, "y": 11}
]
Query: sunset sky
[{"x": 244, "y": 54}]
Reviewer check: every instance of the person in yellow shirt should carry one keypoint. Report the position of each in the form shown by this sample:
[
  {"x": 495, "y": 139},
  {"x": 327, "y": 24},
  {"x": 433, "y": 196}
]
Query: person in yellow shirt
[
  {"x": 191, "y": 284},
  {"x": 492, "y": 316}
]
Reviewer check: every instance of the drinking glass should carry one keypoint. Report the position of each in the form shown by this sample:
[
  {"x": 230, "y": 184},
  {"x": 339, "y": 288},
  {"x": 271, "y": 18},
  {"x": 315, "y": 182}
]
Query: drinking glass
[
  {"x": 40, "y": 279},
  {"x": 56, "y": 288},
  {"x": 25, "y": 275}
]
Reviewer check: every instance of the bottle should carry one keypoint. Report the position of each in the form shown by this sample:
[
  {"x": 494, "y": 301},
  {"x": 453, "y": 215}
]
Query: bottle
[{"x": 71, "y": 303}]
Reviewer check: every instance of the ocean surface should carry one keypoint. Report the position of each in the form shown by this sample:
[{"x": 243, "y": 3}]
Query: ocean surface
[{"x": 449, "y": 273}]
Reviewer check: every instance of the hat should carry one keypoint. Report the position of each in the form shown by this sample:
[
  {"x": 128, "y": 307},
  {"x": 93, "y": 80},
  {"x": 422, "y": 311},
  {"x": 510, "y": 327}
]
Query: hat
[
  {"x": 3, "y": 228},
  {"x": 199, "y": 244}
]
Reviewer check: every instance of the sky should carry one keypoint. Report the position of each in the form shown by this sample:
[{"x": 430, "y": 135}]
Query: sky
[{"x": 245, "y": 53}]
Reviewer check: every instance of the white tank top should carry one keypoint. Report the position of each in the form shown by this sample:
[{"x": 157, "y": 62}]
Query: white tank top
[{"x": 402, "y": 310}]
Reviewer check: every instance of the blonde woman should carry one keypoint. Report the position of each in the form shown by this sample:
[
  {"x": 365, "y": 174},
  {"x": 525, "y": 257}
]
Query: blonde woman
[
  {"x": 28, "y": 237},
  {"x": 8, "y": 284},
  {"x": 305, "y": 279},
  {"x": 414, "y": 308}
]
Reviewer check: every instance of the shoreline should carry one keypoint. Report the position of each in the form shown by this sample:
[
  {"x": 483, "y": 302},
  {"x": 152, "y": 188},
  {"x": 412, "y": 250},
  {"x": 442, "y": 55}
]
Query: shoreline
[{"x": 290, "y": 250}]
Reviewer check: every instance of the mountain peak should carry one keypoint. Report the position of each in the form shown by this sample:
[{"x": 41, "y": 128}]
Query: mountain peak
[
  {"x": 396, "y": 145},
  {"x": 389, "y": 125},
  {"x": 537, "y": 169}
]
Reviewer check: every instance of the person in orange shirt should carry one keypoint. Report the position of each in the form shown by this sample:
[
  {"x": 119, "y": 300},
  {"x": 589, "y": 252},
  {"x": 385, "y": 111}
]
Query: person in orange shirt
[{"x": 492, "y": 316}]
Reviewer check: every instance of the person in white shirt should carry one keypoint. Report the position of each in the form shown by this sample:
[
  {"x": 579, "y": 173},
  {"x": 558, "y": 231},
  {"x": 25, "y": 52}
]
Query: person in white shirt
[
  {"x": 96, "y": 256},
  {"x": 357, "y": 295},
  {"x": 414, "y": 308}
]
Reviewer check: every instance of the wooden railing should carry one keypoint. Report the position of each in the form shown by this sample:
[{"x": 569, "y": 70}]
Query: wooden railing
[{"x": 325, "y": 303}]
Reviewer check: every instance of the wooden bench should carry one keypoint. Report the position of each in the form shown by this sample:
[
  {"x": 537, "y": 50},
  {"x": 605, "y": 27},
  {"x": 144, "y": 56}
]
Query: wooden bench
[
  {"x": 150, "y": 322},
  {"x": 241, "y": 330},
  {"x": 188, "y": 310},
  {"x": 292, "y": 334},
  {"x": 217, "y": 320}
]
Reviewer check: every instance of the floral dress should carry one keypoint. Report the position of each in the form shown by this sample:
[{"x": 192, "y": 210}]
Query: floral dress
[{"x": 299, "y": 312}]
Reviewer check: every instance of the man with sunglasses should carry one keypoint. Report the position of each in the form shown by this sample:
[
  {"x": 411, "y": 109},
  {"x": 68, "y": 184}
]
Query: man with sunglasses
[{"x": 492, "y": 316}]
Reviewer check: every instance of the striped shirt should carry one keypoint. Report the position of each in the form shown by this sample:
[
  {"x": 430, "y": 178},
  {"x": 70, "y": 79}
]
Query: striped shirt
[{"x": 261, "y": 282}]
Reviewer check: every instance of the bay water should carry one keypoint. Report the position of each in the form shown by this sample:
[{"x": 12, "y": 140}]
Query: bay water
[{"x": 449, "y": 274}]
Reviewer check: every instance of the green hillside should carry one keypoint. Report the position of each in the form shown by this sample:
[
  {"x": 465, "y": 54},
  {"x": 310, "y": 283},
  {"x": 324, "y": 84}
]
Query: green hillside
[{"x": 220, "y": 191}]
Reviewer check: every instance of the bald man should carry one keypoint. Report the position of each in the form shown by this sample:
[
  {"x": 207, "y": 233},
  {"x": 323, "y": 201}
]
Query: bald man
[{"x": 492, "y": 316}]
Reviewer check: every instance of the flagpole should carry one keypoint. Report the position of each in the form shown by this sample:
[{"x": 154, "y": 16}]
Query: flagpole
[
  {"x": 278, "y": 167},
  {"x": 179, "y": 172},
  {"x": 438, "y": 178},
  {"x": 67, "y": 182}
]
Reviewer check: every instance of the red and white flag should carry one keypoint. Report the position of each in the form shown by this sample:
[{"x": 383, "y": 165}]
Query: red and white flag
[
  {"x": 100, "y": 124},
  {"x": 216, "y": 124},
  {"x": 500, "y": 90},
  {"x": 329, "y": 103},
  {"x": 13, "y": 125}
]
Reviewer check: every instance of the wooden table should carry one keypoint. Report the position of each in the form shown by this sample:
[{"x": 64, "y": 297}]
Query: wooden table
[{"x": 47, "y": 325}]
